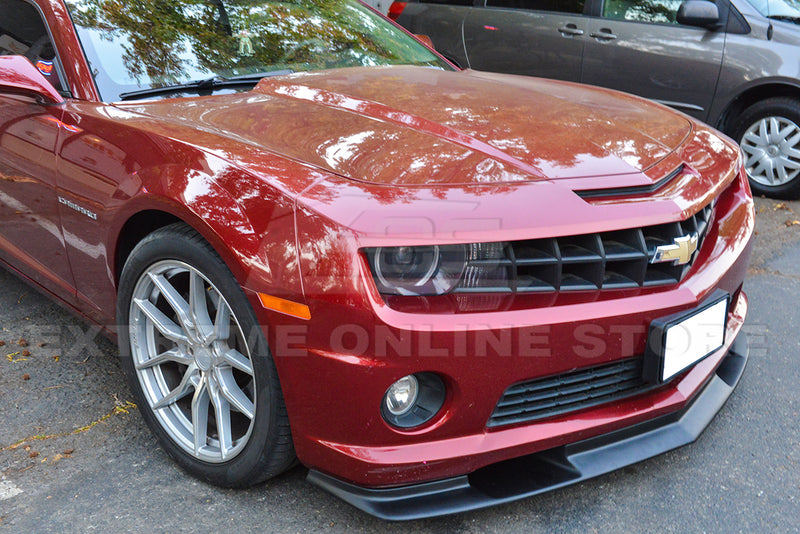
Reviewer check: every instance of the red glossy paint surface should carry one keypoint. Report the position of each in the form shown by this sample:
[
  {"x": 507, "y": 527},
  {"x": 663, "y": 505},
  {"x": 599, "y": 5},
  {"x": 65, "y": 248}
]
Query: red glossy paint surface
[
  {"x": 415, "y": 126},
  {"x": 289, "y": 182}
]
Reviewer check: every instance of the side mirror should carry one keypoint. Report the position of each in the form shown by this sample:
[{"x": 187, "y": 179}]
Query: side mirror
[
  {"x": 699, "y": 13},
  {"x": 19, "y": 76},
  {"x": 427, "y": 41}
]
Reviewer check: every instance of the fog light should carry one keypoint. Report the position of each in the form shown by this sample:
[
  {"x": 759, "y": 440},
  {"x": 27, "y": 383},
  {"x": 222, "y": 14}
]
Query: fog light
[
  {"x": 413, "y": 400},
  {"x": 402, "y": 395}
]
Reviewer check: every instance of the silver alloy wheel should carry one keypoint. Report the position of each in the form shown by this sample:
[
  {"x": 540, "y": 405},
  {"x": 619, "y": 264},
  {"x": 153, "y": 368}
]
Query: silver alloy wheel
[
  {"x": 771, "y": 149},
  {"x": 196, "y": 373}
]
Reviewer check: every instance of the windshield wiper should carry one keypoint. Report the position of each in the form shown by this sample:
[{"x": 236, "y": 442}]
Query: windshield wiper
[
  {"x": 785, "y": 18},
  {"x": 209, "y": 84}
]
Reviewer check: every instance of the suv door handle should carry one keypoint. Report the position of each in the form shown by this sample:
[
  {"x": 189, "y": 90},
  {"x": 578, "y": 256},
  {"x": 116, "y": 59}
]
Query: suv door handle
[
  {"x": 604, "y": 34},
  {"x": 570, "y": 30}
]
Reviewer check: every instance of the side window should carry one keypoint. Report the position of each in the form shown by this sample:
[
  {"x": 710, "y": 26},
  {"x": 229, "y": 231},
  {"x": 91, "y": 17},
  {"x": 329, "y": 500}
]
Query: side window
[
  {"x": 559, "y": 6},
  {"x": 23, "y": 33},
  {"x": 656, "y": 11}
]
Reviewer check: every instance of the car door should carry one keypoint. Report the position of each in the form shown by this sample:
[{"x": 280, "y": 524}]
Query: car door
[
  {"x": 531, "y": 37},
  {"x": 637, "y": 46},
  {"x": 31, "y": 238},
  {"x": 442, "y": 21}
]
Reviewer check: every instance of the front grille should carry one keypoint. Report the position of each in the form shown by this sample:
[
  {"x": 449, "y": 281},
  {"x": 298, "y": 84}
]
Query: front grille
[
  {"x": 590, "y": 262},
  {"x": 555, "y": 395}
]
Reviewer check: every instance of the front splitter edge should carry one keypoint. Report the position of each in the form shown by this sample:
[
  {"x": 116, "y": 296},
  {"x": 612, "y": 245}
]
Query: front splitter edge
[{"x": 530, "y": 475}]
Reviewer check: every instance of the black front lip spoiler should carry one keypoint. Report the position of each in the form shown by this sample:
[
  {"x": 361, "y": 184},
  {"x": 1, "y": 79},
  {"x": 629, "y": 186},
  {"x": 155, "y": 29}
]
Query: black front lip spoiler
[{"x": 551, "y": 469}]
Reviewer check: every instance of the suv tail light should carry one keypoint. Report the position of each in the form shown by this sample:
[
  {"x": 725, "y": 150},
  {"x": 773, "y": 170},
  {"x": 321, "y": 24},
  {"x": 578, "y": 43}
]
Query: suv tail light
[{"x": 397, "y": 9}]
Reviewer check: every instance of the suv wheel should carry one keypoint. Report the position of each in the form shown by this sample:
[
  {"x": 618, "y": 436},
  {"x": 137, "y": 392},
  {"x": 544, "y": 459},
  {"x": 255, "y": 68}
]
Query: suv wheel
[{"x": 769, "y": 134}]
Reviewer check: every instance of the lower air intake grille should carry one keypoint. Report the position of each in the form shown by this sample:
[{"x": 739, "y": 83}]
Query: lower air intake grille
[{"x": 556, "y": 395}]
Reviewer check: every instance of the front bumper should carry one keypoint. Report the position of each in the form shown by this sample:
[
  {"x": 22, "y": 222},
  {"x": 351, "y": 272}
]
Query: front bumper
[
  {"x": 554, "y": 468},
  {"x": 335, "y": 372},
  {"x": 335, "y": 369}
]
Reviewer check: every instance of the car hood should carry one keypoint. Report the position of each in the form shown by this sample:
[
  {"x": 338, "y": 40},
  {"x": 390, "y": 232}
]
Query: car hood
[{"x": 413, "y": 126}]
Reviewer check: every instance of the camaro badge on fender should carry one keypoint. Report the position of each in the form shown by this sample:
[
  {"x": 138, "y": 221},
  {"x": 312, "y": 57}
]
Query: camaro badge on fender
[
  {"x": 679, "y": 253},
  {"x": 79, "y": 209}
]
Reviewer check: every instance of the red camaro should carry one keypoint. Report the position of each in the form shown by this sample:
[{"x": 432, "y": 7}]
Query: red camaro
[{"x": 315, "y": 239}]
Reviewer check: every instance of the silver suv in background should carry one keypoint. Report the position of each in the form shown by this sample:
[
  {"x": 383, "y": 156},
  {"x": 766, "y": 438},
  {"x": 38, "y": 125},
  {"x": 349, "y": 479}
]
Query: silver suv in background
[{"x": 734, "y": 64}]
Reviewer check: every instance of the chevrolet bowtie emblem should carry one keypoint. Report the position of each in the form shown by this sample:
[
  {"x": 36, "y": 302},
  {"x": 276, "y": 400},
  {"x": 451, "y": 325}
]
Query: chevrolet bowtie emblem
[{"x": 679, "y": 253}]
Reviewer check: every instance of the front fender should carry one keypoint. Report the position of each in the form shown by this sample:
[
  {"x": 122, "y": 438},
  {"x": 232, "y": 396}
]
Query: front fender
[
  {"x": 247, "y": 222},
  {"x": 117, "y": 173}
]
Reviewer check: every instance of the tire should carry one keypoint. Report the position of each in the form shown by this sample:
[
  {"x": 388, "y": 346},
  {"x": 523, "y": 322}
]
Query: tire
[
  {"x": 202, "y": 376},
  {"x": 769, "y": 134}
]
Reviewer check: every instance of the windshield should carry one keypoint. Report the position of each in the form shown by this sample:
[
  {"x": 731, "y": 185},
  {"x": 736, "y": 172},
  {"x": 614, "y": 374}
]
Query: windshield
[
  {"x": 134, "y": 46},
  {"x": 787, "y": 10}
]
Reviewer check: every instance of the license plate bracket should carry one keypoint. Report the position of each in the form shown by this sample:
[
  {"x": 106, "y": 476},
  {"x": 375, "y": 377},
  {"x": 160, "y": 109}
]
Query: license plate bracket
[{"x": 679, "y": 341}]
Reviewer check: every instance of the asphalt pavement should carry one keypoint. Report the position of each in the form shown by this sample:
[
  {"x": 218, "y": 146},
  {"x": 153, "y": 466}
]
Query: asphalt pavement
[{"x": 75, "y": 456}]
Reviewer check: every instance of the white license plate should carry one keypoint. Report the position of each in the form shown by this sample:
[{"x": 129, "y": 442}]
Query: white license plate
[{"x": 693, "y": 338}]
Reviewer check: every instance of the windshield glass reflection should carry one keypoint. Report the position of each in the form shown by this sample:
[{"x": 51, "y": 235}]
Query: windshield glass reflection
[
  {"x": 159, "y": 43},
  {"x": 786, "y": 10}
]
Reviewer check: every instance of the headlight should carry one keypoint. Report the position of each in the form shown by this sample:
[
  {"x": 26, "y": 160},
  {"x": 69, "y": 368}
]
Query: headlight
[{"x": 426, "y": 270}]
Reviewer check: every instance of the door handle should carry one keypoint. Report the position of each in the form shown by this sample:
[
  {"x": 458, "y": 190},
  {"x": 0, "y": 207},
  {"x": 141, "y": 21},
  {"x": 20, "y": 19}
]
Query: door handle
[
  {"x": 604, "y": 34},
  {"x": 570, "y": 30}
]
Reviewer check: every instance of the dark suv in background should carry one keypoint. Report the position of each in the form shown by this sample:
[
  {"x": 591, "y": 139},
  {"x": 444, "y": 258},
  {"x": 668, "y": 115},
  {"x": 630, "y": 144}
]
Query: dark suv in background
[{"x": 734, "y": 64}]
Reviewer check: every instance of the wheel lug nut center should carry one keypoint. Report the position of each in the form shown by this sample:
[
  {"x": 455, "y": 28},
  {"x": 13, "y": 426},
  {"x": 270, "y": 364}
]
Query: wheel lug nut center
[
  {"x": 203, "y": 358},
  {"x": 773, "y": 150}
]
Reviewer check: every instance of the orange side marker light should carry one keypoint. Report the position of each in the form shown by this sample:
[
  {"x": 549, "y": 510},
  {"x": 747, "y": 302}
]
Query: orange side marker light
[{"x": 285, "y": 306}]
